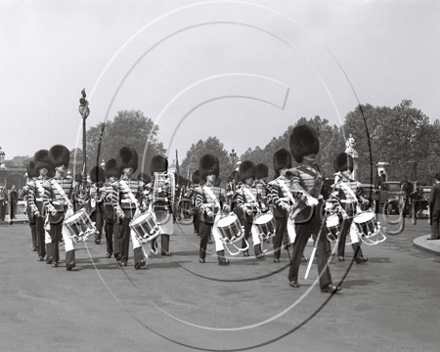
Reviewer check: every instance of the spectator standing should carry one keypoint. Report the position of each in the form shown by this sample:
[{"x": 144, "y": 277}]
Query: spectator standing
[
  {"x": 3, "y": 202},
  {"x": 434, "y": 208},
  {"x": 13, "y": 201}
]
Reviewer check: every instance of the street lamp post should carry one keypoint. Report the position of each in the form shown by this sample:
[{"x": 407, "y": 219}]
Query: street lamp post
[
  {"x": 233, "y": 155},
  {"x": 84, "y": 111}
]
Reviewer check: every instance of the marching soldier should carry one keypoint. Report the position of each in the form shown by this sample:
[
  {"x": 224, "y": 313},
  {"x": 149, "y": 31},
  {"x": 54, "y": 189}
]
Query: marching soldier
[
  {"x": 128, "y": 206},
  {"x": 306, "y": 184},
  {"x": 280, "y": 198},
  {"x": 209, "y": 199},
  {"x": 112, "y": 174},
  {"x": 249, "y": 199},
  {"x": 162, "y": 200},
  {"x": 31, "y": 175},
  {"x": 35, "y": 200},
  {"x": 58, "y": 201},
  {"x": 346, "y": 196},
  {"x": 96, "y": 195}
]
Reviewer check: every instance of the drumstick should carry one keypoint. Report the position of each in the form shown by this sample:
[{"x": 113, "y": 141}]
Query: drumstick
[{"x": 310, "y": 262}]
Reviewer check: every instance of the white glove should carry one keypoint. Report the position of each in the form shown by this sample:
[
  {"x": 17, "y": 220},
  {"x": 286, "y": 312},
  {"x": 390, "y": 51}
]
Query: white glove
[{"x": 312, "y": 201}]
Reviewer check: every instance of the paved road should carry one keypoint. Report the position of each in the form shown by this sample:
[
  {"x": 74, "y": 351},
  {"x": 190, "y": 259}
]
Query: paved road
[{"x": 390, "y": 302}]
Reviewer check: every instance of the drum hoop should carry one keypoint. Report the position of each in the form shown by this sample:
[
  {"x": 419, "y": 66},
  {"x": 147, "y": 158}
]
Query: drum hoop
[
  {"x": 362, "y": 214},
  {"x": 78, "y": 215},
  {"x": 232, "y": 216},
  {"x": 140, "y": 219},
  {"x": 270, "y": 218}
]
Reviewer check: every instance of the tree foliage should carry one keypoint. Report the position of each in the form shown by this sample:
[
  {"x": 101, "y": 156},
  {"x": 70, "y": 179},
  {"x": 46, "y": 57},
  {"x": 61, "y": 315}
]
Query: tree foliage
[
  {"x": 211, "y": 146},
  {"x": 128, "y": 128}
]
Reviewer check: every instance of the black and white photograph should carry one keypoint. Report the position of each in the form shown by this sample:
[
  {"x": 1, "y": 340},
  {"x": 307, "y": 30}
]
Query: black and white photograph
[{"x": 219, "y": 175}]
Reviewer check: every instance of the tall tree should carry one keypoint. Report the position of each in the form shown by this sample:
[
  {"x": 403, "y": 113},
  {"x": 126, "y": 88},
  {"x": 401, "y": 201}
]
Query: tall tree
[
  {"x": 128, "y": 128},
  {"x": 211, "y": 146}
]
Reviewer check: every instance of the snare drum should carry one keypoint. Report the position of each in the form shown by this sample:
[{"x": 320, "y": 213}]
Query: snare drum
[
  {"x": 369, "y": 229},
  {"x": 365, "y": 223},
  {"x": 144, "y": 226},
  {"x": 79, "y": 223},
  {"x": 230, "y": 228},
  {"x": 266, "y": 225},
  {"x": 332, "y": 224}
]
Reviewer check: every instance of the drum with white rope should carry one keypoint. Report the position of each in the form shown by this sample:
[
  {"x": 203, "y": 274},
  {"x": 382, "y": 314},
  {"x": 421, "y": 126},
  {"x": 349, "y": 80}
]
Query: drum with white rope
[{"x": 231, "y": 232}]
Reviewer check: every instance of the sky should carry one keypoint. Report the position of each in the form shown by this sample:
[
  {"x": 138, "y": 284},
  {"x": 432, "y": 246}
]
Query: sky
[{"x": 242, "y": 71}]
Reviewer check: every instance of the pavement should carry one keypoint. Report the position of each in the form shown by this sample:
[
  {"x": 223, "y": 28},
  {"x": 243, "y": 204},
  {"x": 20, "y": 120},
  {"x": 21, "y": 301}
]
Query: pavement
[
  {"x": 175, "y": 304},
  {"x": 428, "y": 246}
]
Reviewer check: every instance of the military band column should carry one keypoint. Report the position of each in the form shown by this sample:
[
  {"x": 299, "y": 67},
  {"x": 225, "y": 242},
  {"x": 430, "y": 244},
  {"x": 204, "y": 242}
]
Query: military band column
[{"x": 295, "y": 205}]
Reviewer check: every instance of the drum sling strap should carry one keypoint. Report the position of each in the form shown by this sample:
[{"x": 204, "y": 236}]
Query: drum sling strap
[
  {"x": 127, "y": 190},
  {"x": 347, "y": 189},
  {"x": 63, "y": 194},
  {"x": 250, "y": 195}
]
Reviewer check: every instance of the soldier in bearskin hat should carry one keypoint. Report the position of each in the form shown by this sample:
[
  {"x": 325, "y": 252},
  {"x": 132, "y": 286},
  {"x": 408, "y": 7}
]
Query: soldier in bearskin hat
[
  {"x": 280, "y": 197},
  {"x": 128, "y": 206},
  {"x": 306, "y": 186},
  {"x": 346, "y": 196},
  {"x": 31, "y": 174},
  {"x": 58, "y": 202},
  {"x": 209, "y": 200},
  {"x": 112, "y": 174},
  {"x": 161, "y": 198},
  {"x": 42, "y": 168},
  {"x": 96, "y": 195},
  {"x": 249, "y": 200}
]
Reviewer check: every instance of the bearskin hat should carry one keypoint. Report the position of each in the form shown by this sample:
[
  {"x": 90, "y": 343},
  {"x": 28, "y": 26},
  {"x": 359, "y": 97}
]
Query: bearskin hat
[
  {"x": 97, "y": 174},
  {"x": 158, "y": 164},
  {"x": 208, "y": 165},
  {"x": 59, "y": 155},
  {"x": 261, "y": 171},
  {"x": 246, "y": 170},
  {"x": 127, "y": 157},
  {"x": 343, "y": 162},
  {"x": 41, "y": 160},
  {"x": 144, "y": 177},
  {"x": 282, "y": 159},
  {"x": 30, "y": 169},
  {"x": 303, "y": 141},
  {"x": 112, "y": 169},
  {"x": 195, "y": 178}
]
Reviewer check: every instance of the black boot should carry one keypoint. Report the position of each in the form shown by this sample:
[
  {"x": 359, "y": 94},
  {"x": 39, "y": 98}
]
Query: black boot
[
  {"x": 221, "y": 258},
  {"x": 359, "y": 257}
]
